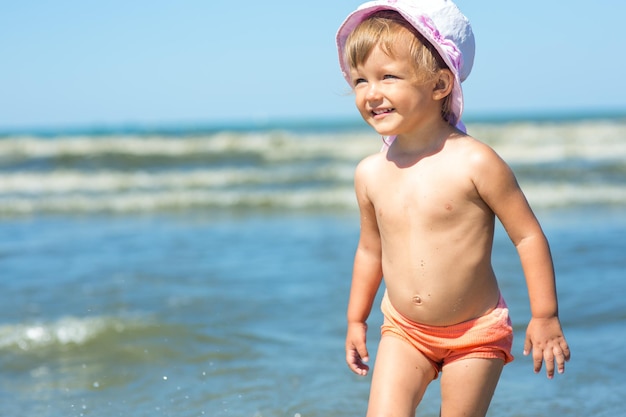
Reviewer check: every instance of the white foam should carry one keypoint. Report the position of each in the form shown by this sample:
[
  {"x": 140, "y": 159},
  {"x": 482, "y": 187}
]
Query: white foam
[
  {"x": 534, "y": 143},
  {"x": 268, "y": 146},
  {"x": 282, "y": 170},
  {"x": 67, "y": 181},
  {"x": 539, "y": 195},
  {"x": 560, "y": 195},
  {"x": 151, "y": 201},
  {"x": 527, "y": 141},
  {"x": 65, "y": 331}
]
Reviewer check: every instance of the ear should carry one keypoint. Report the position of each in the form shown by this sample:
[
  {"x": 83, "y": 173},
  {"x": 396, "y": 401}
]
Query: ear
[{"x": 443, "y": 84}]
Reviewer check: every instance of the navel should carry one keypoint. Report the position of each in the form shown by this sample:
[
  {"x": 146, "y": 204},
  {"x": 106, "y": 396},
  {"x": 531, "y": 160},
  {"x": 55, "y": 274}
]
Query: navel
[{"x": 417, "y": 300}]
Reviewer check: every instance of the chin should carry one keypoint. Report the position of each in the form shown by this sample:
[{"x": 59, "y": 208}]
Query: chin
[
  {"x": 384, "y": 131},
  {"x": 376, "y": 126}
]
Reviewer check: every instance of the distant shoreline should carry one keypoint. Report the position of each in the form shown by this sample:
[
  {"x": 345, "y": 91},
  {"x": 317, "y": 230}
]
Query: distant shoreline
[{"x": 301, "y": 125}]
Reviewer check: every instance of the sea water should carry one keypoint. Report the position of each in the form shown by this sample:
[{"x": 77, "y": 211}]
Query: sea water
[{"x": 206, "y": 272}]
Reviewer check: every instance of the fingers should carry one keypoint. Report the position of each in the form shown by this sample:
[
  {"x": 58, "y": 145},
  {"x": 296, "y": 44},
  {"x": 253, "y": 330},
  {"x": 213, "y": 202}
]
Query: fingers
[
  {"x": 537, "y": 359},
  {"x": 561, "y": 355},
  {"x": 537, "y": 354},
  {"x": 553, "y": 356},
  {"x": 357, "y": 356},
  {"x": 548, "y": 357},
  {"x": 545, "y": 339},
  {"x": 356, "y": 349},
  {"x": 357, "y": 362},
  {"x": 527, "y": 345},
  {"x": 559, "y": 359},
  {"x": 565, "y": 349},
  {"x": 363, "y": 354}
]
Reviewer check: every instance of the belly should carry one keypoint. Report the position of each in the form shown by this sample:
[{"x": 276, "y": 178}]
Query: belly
[{"x": 442, "y": 301}]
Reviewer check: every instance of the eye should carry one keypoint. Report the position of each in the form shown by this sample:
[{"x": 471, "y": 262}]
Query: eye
[
  {"x": 358, "y": 81},
  {"x": 390, "y": 77}
]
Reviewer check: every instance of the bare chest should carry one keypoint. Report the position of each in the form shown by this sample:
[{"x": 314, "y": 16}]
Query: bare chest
[{"x": 423, "y": 195}]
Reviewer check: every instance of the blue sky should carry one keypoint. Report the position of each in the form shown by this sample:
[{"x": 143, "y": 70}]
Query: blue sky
[{"x": 109, "y": 63}]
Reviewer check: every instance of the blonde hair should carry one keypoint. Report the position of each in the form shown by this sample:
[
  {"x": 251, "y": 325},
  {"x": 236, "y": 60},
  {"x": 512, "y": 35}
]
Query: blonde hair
[{"x": 387, "y": 29}]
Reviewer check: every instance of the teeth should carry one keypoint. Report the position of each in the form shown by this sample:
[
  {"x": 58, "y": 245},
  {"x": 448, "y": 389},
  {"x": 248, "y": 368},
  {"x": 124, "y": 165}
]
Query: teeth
[{"x": 381, "y": 111}]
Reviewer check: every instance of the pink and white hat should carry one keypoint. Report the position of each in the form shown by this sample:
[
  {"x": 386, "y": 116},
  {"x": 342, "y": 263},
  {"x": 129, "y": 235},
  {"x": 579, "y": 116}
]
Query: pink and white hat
[{"x": 440, "y": 22}]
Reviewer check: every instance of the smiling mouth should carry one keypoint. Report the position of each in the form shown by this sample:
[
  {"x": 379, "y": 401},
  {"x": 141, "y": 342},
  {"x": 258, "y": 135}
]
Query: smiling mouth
[{"x": 379, "y": 112}]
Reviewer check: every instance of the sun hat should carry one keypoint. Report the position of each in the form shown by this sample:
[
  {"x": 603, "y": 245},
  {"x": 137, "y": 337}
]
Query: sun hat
[{"x": 440, "y": 22}]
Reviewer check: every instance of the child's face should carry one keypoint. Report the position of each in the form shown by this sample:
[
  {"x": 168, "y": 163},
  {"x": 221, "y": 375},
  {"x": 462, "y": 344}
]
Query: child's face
[{"x": 388, "y": 96}]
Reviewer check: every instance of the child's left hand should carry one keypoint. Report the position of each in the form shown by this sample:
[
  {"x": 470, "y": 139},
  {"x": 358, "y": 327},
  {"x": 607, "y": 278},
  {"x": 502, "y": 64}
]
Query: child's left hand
[{"x": 545, "y": 337}]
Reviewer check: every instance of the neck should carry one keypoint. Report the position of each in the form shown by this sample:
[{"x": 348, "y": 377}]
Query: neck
[{"x": 424, "y": 141}]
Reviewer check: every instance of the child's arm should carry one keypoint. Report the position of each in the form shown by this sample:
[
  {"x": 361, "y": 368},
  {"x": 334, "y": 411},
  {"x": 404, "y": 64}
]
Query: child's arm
[
  {"x": 366, "y": 279},
  {"x": 499, "y": 189},
  {"x": 544, "y": 336}
]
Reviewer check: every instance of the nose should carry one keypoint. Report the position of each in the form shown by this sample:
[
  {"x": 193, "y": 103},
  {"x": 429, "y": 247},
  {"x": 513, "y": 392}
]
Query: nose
[{"x": 373, "y": 91}]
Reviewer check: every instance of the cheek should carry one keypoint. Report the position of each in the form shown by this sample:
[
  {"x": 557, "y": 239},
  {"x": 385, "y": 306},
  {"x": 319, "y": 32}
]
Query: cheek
[
  {"x": 361, "y": 106},
  {"x": 359, "y": 101},
  {"x": 364, "y": 111}
]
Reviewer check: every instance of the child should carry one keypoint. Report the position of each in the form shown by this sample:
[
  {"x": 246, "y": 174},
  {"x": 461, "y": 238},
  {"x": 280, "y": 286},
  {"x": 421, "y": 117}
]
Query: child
[{"x": 428, "y": 203}]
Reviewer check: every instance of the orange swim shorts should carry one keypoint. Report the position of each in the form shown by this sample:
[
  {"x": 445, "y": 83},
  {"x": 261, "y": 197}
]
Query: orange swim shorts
[{"x": 489, "y": 336}]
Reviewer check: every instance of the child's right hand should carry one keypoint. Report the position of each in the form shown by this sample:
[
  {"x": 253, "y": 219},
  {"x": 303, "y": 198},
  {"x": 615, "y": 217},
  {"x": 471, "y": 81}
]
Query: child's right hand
[{"x": 356, "y": 350}]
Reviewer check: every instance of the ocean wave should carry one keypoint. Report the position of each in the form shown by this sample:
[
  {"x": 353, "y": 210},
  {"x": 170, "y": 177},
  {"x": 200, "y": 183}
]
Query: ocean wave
[
  {"x": 552, "y": 195},
  {"x": 117, "y": 339},
  {"x": 63, "y": 333},
  {"x": 262, "y": 146},
  {"x": 97, "y": 353},
  {"x": 543, "y": 195},
  {"x": 558, "y": 163},
  {"x": 516, "y": 141},
  {"x": 532, "y": 144},
  {"x": 157, "y": 201},
  {"x": 65, "y": 181}
]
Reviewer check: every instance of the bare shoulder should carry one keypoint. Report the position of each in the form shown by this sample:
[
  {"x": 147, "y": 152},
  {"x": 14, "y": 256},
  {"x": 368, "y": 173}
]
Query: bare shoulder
[
  {"x": 474, "y": 150},
  {"x": 481, "y": 159},
  {"x": 369, "y": 165},
  {"x": 366, "y": 179},
  {"x": 373, "y": 159},
  {"x": 493, "y": 178}
]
